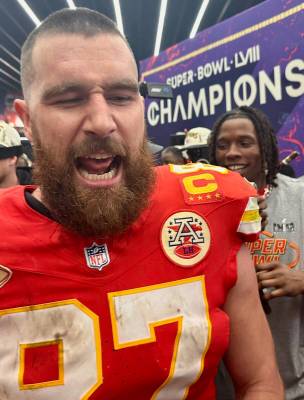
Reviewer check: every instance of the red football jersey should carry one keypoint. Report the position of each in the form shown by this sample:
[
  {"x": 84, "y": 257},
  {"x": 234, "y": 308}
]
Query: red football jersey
[{"x": 135, "y": 317}]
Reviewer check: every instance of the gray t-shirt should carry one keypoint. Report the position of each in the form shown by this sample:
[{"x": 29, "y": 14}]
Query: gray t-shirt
[{"x": 286, "y": 225}]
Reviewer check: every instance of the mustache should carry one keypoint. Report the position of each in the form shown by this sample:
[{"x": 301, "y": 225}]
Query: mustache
[{"x": 93, "y": 145}]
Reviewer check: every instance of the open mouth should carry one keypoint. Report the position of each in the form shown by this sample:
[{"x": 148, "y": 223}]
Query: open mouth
[{"x": 98, "y": 167}]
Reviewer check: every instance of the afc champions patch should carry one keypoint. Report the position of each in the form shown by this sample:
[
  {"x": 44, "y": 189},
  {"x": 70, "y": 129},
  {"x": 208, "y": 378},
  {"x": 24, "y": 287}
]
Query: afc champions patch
[
  {"x": 185, "y": 238},
  {"x": 97, "y": 256}
]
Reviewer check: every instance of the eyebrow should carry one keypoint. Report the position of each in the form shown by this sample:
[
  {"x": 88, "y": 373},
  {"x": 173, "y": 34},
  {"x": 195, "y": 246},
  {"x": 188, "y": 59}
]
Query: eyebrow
[
  {"x": 72, "y": 87},
  {"x": 241, "y": 137},
  {"x": 125, "y": 84},
  {"x": 58, "y": 90}
]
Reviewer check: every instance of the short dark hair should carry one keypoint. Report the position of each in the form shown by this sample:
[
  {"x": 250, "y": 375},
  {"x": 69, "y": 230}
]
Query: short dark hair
[
  {"x": 176, "y": 154},
  {"x": 80, "y": 21},
  {"x": 265, "y": 134}
]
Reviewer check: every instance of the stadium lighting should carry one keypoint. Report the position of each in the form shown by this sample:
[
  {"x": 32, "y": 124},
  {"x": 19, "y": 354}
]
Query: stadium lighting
[
  {"x": 29, "y": 12},
  {"x": 7, "y": 83},
  {"x": 118, "y": 16},
  {"x": 9, "y": 65},
  {"x": 10, "y": 54},
  {"x": 161, "y": 20},
  {"x": 9, "y": 76},
  {"x": 199, "y": 18},
  {"x": 71, "y": 4}
]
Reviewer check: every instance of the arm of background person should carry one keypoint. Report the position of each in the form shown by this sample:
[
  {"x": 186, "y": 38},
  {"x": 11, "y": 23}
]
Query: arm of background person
[
  {"x": 282, "y": 280},
  {"x": 250, "y": 358}
]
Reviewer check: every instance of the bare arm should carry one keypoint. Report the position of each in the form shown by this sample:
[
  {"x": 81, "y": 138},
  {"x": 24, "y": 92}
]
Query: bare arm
[{"x": 250, "y": 358}]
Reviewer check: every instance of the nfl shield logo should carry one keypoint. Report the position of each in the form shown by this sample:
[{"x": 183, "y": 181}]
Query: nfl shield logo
[{"x": 97, "y": 256}]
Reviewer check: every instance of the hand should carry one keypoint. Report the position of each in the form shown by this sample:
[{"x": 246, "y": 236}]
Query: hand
[
  {"x": 262, "y": 206},
  {"x": 284, "y": 281}
]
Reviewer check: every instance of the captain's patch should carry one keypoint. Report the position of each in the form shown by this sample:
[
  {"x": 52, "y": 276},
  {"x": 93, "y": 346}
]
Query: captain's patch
[
  {"x": 185, "y": 238},
  {"x": 201, "y": 188}
]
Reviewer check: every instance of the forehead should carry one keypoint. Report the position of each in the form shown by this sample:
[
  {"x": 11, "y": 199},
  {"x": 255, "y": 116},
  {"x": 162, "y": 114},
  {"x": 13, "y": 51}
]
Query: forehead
[
  {"x": 62, "y": 56},
  {"x": 237, "y": 127}
]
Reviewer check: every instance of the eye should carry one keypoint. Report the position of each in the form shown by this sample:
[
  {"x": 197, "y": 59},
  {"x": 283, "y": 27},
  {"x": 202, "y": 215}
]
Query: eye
[
  {"x": 69, "y": 101},
  {"x": 246, "y": 143},
  {"x": 221, "y": 145},
  {"x": 120, "y": 99}
]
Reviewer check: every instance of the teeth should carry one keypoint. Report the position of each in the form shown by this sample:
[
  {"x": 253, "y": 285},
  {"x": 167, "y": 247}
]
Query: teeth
[
  {"x": 235, "y": 167},
  {"x": 98, "y": 177},
  {"x": 99, "y": 156}
]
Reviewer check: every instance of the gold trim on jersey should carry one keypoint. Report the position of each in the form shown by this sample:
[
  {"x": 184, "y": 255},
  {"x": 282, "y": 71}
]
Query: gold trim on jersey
[
  {"x": 97, "y": 337},
  {"x": 56, "y": 382}
]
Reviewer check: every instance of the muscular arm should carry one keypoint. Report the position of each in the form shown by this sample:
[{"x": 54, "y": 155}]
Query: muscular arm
[{"x": 250, "y": 358}]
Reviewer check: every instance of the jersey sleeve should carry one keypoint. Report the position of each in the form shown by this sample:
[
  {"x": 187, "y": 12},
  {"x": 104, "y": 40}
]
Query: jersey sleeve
[{"x": 250, "y": 223}]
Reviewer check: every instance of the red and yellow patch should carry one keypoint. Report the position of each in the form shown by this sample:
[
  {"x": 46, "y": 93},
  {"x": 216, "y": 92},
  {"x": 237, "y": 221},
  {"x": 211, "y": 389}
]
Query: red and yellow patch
[
  {"x": 185, "y": 238},
  {"x": 201, "y": 186}
]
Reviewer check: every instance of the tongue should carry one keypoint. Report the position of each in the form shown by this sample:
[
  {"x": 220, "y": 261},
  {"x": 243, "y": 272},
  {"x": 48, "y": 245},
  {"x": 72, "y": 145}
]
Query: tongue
[{"x": 94, "y": 166}]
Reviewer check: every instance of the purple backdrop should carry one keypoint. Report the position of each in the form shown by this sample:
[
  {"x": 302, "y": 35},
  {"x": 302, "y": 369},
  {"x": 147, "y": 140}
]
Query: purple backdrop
[{"x": 254, "y": 58}]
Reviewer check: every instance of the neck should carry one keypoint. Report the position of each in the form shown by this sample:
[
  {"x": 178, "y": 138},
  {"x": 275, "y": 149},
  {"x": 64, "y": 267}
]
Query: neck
[
  {"x": 9, "y": 180},
  {"x": 37, "y": 194}
]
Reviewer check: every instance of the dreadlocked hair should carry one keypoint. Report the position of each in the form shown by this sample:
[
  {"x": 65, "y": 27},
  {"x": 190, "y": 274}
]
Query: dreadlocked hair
[{"x": 265, "y": 134}]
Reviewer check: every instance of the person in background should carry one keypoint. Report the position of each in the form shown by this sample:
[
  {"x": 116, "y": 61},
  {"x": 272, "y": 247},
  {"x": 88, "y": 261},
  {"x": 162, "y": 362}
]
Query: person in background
[
  {"x": 172, "y": 155},
  {"x": 195, "y": 147},
  {"x": 10, "y": 151},
  {"x": 243, "y": 140},
  {"x": 24, "y": 169},
  {"x": 124, "y": 274},
  {"x": 155, "y": 150}
]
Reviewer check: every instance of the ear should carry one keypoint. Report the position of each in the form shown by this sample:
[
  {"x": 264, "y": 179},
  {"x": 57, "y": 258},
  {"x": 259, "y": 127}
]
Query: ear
[
  {"x": 12, "y": 161},
  {"x": 21, "y": 108}
]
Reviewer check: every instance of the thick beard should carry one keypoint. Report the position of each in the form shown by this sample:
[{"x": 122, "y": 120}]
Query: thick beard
[{"x": 99, "y": 212}]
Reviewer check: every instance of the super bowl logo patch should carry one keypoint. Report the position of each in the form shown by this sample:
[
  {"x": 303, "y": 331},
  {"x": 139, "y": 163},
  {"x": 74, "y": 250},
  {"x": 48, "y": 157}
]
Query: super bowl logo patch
[
  {"x": 97, "y": 256},
  {"x": 185, "y": 238}
]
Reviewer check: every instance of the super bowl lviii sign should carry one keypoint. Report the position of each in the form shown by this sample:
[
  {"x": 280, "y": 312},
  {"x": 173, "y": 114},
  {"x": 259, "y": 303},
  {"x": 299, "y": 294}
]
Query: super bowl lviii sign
[{"x": 255, "y": 59}]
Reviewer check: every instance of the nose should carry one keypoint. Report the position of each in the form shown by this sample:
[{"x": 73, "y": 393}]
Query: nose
[
  {"x": 99, "y": 118},
  {"x": 233, "y": 152}
]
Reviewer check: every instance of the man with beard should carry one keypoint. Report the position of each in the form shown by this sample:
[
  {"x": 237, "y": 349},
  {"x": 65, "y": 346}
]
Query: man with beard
[{"x": 116, "y": 279}]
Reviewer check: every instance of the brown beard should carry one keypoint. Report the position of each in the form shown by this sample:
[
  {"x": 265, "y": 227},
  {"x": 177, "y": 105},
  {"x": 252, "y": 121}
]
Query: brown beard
[{"x": 98, "y": 211}]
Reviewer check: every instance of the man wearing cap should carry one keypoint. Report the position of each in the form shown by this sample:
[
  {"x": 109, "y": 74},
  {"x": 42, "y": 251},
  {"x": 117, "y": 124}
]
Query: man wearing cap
[
  {"x": 10, "y": 150},
  {"x": 196, "y": 144}
]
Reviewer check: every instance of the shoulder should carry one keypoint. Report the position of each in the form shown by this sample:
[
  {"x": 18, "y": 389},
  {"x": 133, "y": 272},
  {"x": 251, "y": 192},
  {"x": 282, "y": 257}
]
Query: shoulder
[
  {"x": 9, "y": 193},
  {"x": 206, "y": 178},
  {"x": 13, "y": 197},
  {"x": 289, "y": 186}
]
